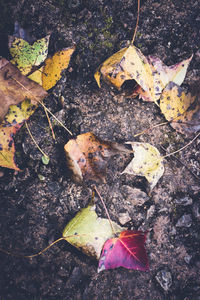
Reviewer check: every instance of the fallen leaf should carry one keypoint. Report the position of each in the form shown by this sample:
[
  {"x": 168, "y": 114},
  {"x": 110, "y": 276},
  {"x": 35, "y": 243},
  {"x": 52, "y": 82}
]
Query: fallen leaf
[
  {"x": 88, "y": 232},
  {"x": 126, "y": 251},
  {"x": 147, "y": 162},
  {"x": 87, "y": 156},
  {"x": 15, "y": 88},
  {"x": 162, "y": 75},
  {"x": 54, "y": 66},
  {"x": 128, "y": 63},
  {"x": 25, "y": 56},
  {"x": 181, "y": 109},
  {"x": 13, "y": 121}
]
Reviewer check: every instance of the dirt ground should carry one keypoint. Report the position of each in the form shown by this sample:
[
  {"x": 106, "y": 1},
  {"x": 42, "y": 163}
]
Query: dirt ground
[{"x": 37, "y": 203}]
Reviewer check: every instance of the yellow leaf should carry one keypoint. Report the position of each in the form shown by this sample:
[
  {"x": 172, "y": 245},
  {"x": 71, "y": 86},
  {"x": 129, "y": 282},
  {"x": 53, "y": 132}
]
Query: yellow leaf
[
  {"x": 147, "y": 162},
  {"x": 37, "y": 76},
  {"x": 128, "y": 63},
  {"x": 181, "y": 108},
  {"x": 54, "y": 66}
]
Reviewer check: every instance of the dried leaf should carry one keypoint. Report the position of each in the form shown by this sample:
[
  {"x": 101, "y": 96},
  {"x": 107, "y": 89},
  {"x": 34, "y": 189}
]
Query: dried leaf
[
  {"x": 181, "y": 108},
  {"x": 15, "y": 88},
  {"x": 88, "y": 232},
  {"x": 126, "y": 251},
  {"x": 13, "y": 121},
  {"x": 87, "y": 156},
  {"x": 25, "y": 56},
  {"x": 147, "y": 162},
  {"x": 128, "y": 63},
  {"x": 54, "y": 66}
]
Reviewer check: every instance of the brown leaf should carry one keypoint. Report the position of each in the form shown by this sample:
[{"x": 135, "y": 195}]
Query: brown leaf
[
  {"x": 15, "y": 88},
  {"x": 87, "y": 156}
]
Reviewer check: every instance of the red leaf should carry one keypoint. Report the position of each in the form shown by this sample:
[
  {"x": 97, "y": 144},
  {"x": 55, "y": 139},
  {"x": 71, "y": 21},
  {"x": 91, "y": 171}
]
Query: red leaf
[{"x": 126, "y": 251}]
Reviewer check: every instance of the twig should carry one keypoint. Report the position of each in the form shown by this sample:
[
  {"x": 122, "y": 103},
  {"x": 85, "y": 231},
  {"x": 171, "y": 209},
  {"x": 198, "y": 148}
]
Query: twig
[
  {"x": 151, "y": 127},
  {"x": 50, "y": 124},
  {"x": 111, "y": 225},
  {"x": 44, "y": 106},
  {"x": 182, "y": 147},
  {"x": 182, "y": 164},
  {"x": 27, "y": 127},
  {"x": 136, "y": 26}
]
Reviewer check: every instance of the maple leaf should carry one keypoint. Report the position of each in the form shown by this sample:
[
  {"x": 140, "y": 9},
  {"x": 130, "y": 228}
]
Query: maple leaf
[
  {"x": 128, "y": 63},
  {"x": 13, "y": 121},
  {"x": 87, "y": 156},
  {"x": 88, "y": 232},
  {"x": 25, "y": 56},
  {"x": 127, "y": 250},
  {"x": 180, "y": 108},
  {"x": 146, "y": 162},
  {"x": 15, "y": 88},
  {"x": 162, "y": 75}
]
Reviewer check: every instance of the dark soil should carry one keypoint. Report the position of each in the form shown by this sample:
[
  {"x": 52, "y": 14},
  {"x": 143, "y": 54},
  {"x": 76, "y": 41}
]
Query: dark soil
[{"x": 37, "y": 203}]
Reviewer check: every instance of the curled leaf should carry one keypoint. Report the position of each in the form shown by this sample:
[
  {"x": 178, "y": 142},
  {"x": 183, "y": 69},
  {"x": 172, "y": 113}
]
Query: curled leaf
[
  {"x": 147, "y": 162},
  {"x": 126, "y": 251},
  {"x": 88, "y": 232},
  {"x": 128, "y": 63},
  {"x": 87, "y": 157}
]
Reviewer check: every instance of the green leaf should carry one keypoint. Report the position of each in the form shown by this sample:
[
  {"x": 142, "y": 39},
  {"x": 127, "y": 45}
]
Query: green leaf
[{"x": 88, "y": 232}]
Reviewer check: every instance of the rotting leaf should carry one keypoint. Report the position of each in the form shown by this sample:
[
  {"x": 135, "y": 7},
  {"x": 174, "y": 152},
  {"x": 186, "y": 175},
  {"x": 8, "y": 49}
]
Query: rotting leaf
[
  {"x": 87, "y": 232},
  {"x": 26, "y": 56},
  {"x": 126, "y": 251},
  {"x": 147, "y": 162},
  {"x": 181, "y": 109},
  {"x": 15, "y": 88},
  {"x": 87, "y": 156},
  {"x": 128, "y": 63}
]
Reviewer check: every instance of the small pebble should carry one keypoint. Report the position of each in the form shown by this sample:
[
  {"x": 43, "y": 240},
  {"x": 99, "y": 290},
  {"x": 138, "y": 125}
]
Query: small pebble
[
  {"x": 124, "y": 218},
  {"x": 184, "y": 221},
  {"x": 164, "y": 278}
]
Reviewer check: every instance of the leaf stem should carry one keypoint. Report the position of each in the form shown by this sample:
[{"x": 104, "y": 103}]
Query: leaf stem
[
  {"x": 167, "y": 155},
  {"x": 28, "y": 129},
  {"x": 111, "y": 225},
  {"x": 136, "y": 26}
]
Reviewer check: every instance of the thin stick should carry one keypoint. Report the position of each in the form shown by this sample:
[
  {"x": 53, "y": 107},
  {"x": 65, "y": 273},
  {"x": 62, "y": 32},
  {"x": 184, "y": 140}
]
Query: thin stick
[
  {"x": 111, "y": 225},
  {"x": 50, "y": 125},
  {"x": 138, "y": 14},
  {"x": 27, "y": 127},
  {"x": 198, "y": 178},
  {"x": 167, "y": 155},
  {"x": 43, "y": 106},
  {"x": 56, "y": 119},
  {"x": 151, "y": 127}
]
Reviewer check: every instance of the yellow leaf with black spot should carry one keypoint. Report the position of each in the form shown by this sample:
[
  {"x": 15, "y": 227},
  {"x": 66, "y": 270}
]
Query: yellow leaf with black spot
[
  {"x": 54, "y": 66},
  {"x": 127, "y": 64},
  {"x": 147, "y": 162},
  {"x": 182, "y": 109}
]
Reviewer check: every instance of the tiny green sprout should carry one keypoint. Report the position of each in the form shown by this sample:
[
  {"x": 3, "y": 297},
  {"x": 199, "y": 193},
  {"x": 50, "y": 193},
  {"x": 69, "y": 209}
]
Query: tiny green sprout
[{"x": 45, "y": 159}]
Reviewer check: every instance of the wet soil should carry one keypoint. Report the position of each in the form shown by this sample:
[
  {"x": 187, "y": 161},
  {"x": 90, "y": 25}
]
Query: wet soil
[{"x": 37, "y": 203}]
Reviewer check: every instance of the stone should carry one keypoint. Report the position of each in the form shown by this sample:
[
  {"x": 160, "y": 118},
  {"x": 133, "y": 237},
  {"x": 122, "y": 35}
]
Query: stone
[
  {"x": 134, "y": 195},
  {"x": 124, "y": 218},
  {"x": 164, "y": 278},
  {"x": 184, "y": 221},
  {"x": 150, "y": 212}
]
